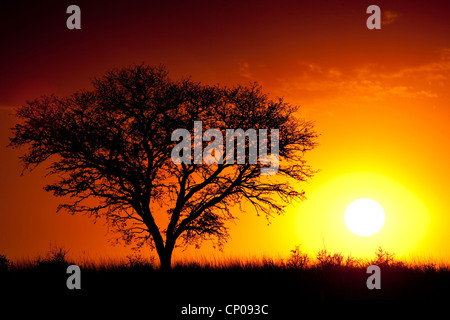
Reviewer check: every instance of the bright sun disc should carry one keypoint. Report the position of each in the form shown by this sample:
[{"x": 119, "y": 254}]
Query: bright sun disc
[{"x": 364, "y": 217}]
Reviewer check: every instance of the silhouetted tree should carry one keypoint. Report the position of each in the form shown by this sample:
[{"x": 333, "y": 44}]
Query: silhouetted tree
[{"x": 110, "y": 150}]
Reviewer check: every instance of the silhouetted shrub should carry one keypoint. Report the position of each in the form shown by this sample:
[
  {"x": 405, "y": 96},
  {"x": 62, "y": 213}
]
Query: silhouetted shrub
[
  {"x": 297, "y": 259},
  {"x": 352, "y": 262},
  {"x": 137, "y": 261},
  {"x": 55, "y": 258},
  {"x": 429, "y": 267},
  {"x": 328, "y": 260},
  {"x": 4, "y": 263},
  {"x": 384, "y": 258},
  {"x": 270, "y": 263}
]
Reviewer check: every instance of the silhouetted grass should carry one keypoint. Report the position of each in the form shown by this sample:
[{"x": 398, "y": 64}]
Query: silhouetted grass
[{"x": 281, "y": 283}]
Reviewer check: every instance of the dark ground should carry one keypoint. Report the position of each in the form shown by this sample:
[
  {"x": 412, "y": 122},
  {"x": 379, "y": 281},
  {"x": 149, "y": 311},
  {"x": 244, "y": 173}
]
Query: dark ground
[{"x": 289, "y": 293}]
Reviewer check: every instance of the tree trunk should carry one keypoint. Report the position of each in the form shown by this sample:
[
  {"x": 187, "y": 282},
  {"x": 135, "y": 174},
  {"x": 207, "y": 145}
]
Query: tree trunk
[{"x": 165, "y": 258}]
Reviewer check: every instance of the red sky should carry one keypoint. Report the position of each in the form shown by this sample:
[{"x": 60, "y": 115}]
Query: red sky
[{"x": 379, "y": 98}]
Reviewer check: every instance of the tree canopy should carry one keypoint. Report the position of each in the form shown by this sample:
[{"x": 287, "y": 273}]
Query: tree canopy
[{"x": 109, "y": 149}]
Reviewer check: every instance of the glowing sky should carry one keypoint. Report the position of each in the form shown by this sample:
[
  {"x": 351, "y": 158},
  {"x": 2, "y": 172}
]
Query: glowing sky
[{"x": 379, "y": 98}]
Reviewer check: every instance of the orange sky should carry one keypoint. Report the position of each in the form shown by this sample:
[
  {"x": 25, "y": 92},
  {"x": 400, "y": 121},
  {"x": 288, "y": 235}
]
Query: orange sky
[{"x": 379, "y": 99}]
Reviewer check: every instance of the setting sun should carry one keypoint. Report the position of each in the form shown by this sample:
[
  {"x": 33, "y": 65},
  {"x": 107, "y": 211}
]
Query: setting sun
[{"x": 364, "y": 217}]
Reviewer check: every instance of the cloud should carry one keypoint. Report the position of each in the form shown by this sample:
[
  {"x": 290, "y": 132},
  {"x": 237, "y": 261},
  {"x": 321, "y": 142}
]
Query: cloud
[
  {"x": 359, "y": 86},
  {"x": 436, "y": 70},
  {"x": 406, "y": 92},
  {"x": 244, "y": 70}
]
